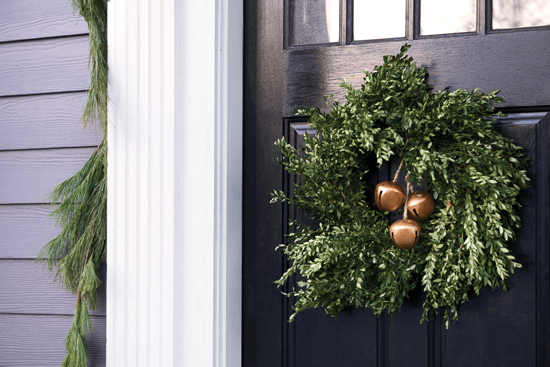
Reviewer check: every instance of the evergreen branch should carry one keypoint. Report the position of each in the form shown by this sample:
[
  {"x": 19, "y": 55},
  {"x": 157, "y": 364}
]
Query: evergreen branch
[
  {"x": 77, "y": 252},
  {"x": 95, "y": 14}
]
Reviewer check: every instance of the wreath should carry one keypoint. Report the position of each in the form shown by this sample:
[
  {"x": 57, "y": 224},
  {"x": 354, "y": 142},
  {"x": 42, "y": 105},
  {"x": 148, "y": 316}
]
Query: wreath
[{"x": 445, "y": 139}]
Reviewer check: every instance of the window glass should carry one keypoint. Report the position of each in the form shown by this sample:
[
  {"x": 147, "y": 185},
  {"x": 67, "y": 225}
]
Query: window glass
[
  {"x": 314, "y": 21},
  {"x": 447, "y": 16},
  {"x": 376, "y": 19},
  {"x": 520, "y": 13}
]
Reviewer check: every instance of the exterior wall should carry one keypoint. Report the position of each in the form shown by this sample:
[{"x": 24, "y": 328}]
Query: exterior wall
[{"x": 43, "y": 82}]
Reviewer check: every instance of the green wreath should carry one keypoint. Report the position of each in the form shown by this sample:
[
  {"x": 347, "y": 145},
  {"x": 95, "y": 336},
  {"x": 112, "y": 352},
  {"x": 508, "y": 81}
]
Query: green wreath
[{"x": 446, "y": 139}]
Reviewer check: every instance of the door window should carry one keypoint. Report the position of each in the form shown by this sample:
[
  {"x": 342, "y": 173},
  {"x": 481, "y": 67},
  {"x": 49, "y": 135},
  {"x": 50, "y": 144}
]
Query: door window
[
  {"x": 443, "y": 17},
  {"x": 334, "y": 22},
  {"x": 509, "y": 14},
  {"x": 367, "y": 24},
  {"x": 314, "y": 22}
]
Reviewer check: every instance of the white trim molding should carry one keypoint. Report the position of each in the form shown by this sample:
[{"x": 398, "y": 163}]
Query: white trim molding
[{"x": 174, "y": 183}]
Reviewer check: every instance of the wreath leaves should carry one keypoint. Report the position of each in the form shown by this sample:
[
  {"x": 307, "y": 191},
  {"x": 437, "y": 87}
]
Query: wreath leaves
[{"x": 447, "y": 140}]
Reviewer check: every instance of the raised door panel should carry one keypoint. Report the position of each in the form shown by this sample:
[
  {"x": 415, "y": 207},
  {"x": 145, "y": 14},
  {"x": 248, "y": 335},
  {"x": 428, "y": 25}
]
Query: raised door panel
[
  {"x": 502, "y": 327},
  {"x": 497, "y": 325},
  {"x": 315, "y": 338}
]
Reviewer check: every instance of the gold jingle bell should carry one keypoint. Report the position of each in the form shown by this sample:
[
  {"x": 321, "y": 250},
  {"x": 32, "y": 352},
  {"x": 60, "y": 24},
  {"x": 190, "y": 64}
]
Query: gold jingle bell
[
  {"x": 420, "y": 205},
  {"x": 389, "y": 196},
  {"x": 405, "y": 233}
]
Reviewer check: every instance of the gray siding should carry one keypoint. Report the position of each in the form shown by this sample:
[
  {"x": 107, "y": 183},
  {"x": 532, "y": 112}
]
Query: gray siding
[
  {"x": 44, "y": 66},
  {"x": 43, "y": 80},
  {"x": 27, "y": 176},
  {"x": 35, "y": 340},
  {"x": 29, "y": 19},
  {"x": 37, "y": 120}
]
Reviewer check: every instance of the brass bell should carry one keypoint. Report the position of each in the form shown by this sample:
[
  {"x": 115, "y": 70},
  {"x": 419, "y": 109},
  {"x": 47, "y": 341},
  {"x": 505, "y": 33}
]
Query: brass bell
[
  {"x": 420, "y": 205},
  {"x": 405, "y": 233},
  {"x": 389, "y": 196}
]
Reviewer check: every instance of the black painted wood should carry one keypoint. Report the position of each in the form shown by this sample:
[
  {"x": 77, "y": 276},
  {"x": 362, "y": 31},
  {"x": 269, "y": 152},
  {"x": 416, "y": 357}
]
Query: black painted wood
[
  {"x": 263, "y": 321},
  {"x": 496, "y": 328},
  {"x": 312, "y": 329},
  {"x": 488, "y": 62},
  {"x": 499, "y": 327},
  {"x": 542, "y": 237}
]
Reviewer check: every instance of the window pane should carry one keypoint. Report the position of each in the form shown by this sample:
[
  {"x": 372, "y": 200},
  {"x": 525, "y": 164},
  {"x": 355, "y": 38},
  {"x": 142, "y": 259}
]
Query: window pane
[
  {"x": 375, "y": 19},
  {"x": 315, "y": 21},
  {"x": 449, "y": 16},
  {"x": 520, "y": 13}
]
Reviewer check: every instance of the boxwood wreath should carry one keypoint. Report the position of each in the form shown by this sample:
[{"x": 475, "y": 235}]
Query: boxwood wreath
[{"x": 444, "y": 138}]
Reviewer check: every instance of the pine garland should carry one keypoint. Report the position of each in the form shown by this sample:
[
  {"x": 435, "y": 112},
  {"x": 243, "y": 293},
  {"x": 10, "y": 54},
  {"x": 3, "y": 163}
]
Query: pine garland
[
  {"x": 77, "y": 252},
  {"x": 445, "y": 138}
]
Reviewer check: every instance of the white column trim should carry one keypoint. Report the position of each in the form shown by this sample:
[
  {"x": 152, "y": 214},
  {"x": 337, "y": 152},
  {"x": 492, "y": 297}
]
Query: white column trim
[
  {"x": 228, "y": 189},
  {"x": 174, "y": 183}
]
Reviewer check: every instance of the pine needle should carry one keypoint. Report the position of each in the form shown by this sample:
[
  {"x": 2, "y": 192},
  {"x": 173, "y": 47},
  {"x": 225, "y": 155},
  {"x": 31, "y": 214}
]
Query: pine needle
[{"x": 80, "y": 202}]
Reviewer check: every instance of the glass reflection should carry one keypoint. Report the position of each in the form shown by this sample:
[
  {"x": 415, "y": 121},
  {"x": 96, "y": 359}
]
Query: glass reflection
[
  {"x": 376, "y": 19},
  {"x": 315, "y": 21},
  {"x": 520, "y": 13},
  {"x": 449, "y": 16}
]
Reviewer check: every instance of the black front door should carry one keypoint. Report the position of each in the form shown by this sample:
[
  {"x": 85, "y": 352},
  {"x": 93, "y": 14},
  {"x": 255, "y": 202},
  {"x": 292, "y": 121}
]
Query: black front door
[{"x": 295, "y": 53}]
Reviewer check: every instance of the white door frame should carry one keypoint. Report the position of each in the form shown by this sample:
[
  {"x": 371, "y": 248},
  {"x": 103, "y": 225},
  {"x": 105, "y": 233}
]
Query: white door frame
[{"x": 174, "y": 183}]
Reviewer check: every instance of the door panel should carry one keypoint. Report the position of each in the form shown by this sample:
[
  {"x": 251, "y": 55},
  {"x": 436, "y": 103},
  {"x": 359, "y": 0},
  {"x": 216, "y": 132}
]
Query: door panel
[
  {"x": 499, "y": 327},
  {"x": 506, "y": 328},
  {"x": 349, "y": 341},
  {"x": 323, "y": 341},
  {"x": 489, "y": 323}
]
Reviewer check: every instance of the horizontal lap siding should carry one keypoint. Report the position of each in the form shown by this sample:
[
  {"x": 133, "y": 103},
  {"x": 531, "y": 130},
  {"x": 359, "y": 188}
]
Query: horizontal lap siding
[
  {"x": 27, "y": 176},
  {"x": 44, "y": 66},
  {"x": 28, "y": 19},
  {"x": 33, "y": 221},
  {"x": 37, "y": 120},
  {"x": 28, "y": 288},
  {"x": 33, "y": 341},
  {"x": 43, "y": 81}
]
